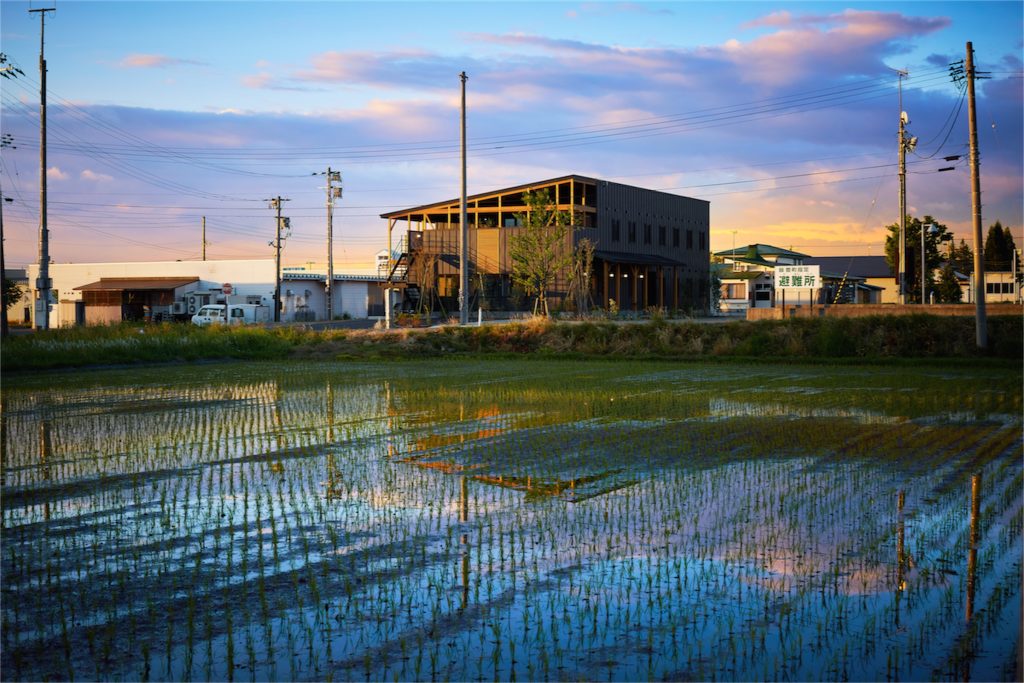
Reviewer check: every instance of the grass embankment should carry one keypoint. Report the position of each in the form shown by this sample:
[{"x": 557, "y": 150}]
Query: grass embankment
[{"x": 869, "y": 338}]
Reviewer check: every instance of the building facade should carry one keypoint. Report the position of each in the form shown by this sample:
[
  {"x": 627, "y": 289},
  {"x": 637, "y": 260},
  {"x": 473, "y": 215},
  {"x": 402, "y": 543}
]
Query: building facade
[
  {"x": 104, "y": 293},
  {"x": 747, "y": 276},
  {"x": 650, "y": 247}
]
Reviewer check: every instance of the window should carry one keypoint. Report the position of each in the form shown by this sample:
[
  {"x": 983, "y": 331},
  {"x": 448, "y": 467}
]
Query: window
[
  {"x": 689, "y": 239},
  {"x": 735, "y": 291},
  {"x": 675, "y": 237},
  {"x": 703, "y": 244},
  {"x": 661, "y": 235},
  {"x": 632, "y": 232},
  {"x": 615, "y": 230},
  {"x": 647, "y": 233}
]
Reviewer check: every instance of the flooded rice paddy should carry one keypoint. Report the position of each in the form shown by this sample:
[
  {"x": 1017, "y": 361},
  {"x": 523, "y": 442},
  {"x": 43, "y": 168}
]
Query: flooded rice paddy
[{"x": 512, "y": 520}]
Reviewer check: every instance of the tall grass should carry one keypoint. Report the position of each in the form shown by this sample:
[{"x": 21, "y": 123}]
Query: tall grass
[{"x": 880, "y": 337}]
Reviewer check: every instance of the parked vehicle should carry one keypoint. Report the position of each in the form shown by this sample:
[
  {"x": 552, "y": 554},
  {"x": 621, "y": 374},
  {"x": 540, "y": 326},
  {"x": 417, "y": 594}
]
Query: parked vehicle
[{"x": 241, "y": 314}]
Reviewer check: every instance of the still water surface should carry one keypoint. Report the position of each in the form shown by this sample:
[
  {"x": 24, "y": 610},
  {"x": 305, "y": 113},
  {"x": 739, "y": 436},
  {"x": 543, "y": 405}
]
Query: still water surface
[{"x": 503, "y": 520}]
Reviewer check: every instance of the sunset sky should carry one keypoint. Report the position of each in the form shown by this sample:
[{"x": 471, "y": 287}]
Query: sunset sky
[{"x": 783, "y": 115}]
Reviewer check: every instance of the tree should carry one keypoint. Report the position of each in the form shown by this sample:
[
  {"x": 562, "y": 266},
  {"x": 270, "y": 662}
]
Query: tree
[
  {"x": 963, "y": 258},
  {"x": 998, "y": 253},
  {"x": 12, "y": 293},
  {"x": 947, "y": 289},
  {"x": 933, "y": 257},
  {"x": 540, "y": 251},
  {"x": 715, "y": 288},
  {"x": 579, "y": 278}
]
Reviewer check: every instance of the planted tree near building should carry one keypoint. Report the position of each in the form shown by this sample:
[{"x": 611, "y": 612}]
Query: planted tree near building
[
  {"x": 12, "y": 292},
  {"x": 962, "y": 258},
  {"x": 579, "y": 285},
  {"x": 932, "y": 246},
  {"x": 999, "y": 248},
  {"x": 540, "y": 250},
  {"x": 947, "y": 289}
]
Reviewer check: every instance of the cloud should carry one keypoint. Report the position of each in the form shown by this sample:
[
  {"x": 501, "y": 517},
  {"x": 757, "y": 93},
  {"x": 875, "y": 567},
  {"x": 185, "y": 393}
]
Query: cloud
[
  {"x": 853, "y": 42},
  {"x": 146, "y": 61},
  {"x": 412, "y": 68},
  {"x": 89, "y": 174},
  {"x": 606, "y": 8},
  {"x": 266, "y": 81},
  {"x": 54, "y": 173}
]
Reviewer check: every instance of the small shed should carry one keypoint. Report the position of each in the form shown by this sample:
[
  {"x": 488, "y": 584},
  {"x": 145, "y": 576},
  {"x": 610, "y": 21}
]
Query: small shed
[{"x": 111, "y": 300}]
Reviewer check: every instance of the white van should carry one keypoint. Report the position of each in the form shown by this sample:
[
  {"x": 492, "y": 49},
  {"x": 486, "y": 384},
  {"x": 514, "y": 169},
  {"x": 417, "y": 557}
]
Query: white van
[{"x": 241, "y": 314}]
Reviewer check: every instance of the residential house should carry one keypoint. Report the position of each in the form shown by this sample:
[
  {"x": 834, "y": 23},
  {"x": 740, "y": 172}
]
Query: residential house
[
  {"x": 861, "y": 279},
  {"x": 747, "y": 276}
]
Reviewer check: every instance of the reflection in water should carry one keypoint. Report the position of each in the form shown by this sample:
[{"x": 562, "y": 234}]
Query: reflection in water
[
  {"x": 972, "y": 553},
  {"x": 464, "y": 539},
  {"x": 900, "y": 552},
  {"x": 45, "y": 454},
  {"x": 330, "y": 412},
  {"x": 3, "y": 438},
  {"x": 616, "y": 531}
]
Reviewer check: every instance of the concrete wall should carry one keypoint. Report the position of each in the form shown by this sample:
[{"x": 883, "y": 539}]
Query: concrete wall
[
  {"x": 350, "y": 296},
  {"x": 861, "y": 310}
]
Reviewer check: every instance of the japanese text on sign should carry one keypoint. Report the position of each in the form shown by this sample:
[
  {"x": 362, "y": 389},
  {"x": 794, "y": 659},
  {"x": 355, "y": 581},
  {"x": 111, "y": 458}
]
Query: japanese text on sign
[{"x": 797, "y": 277}]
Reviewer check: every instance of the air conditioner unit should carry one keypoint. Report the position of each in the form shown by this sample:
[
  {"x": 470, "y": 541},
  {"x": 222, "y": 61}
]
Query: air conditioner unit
[{"x": 178, "y": 308}]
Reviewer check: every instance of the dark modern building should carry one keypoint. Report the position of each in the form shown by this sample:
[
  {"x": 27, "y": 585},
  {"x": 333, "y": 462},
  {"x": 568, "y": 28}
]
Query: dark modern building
[{"x": 651, "y": 248}]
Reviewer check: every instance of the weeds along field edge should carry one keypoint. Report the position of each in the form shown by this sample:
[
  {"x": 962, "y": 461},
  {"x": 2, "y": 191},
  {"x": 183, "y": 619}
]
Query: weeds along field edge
[{"x": 873, "y": 338}]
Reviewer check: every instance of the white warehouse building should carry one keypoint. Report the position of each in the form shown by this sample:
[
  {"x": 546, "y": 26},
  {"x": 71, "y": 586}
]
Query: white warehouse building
[{"x": 101, "y": 293}]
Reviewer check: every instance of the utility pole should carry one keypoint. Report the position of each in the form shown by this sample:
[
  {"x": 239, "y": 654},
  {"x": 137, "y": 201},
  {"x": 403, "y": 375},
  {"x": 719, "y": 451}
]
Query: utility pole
[
  {"x": 5, "y": 141},
  {"x": 3, "y": 267},
  {"x": 275, "y": 203},
  {"x": 204, "y": 238},
  {"x": 42, "y": 305},
  {"x": 902, "y": 290},
  {"x": 332, "y": 194},
  {"x": 981, "y": 326},
  {"x": 463, "y": 222}
]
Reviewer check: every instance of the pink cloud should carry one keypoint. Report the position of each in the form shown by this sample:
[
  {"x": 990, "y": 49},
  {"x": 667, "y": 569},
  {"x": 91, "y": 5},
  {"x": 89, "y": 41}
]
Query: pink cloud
[
  {"x": 89, "y": 174},
  {"x": 54, "y": 173},
  {"x": 146, "y": 61},
  {"x": 851, "y": 42}
]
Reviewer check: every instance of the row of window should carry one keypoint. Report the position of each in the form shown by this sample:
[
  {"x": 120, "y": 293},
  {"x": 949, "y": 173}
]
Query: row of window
[
  {"x": 999, "y": 288},
  {"x": 631, "y": 234}
]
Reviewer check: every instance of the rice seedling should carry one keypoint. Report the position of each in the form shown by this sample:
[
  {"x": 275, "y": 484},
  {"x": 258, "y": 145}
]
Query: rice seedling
[{"x": 478, "y": 521}]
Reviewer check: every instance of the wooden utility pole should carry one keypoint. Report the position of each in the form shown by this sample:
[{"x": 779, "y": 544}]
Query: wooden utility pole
[
  {"x": 981, "y": 327},
  {"x": 42, "y": 304},
  {"x": 204, "y": 238},
  {"x": 463, "y": 222}
]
